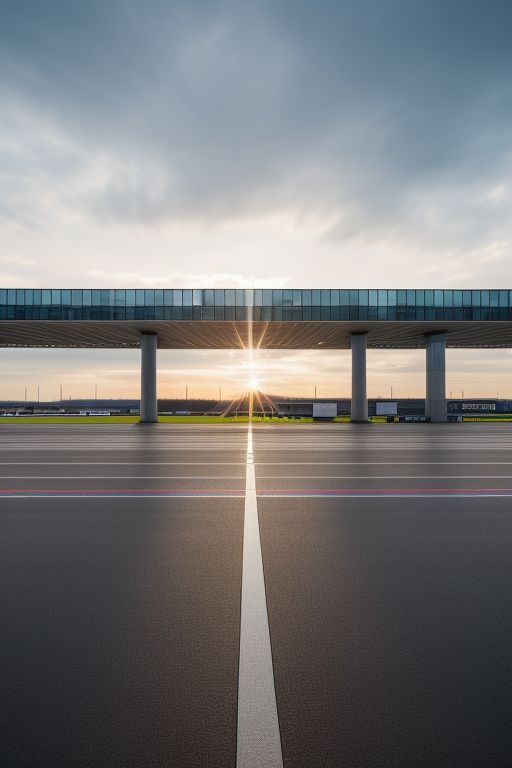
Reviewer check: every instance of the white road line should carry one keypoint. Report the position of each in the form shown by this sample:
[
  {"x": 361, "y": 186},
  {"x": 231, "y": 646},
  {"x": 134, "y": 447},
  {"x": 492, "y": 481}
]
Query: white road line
[
  {"x": 260, "y": 477},
  {"x": 380, "y": 477},
  {"x": 124, "y": 477},
  {"x": 122, "y": 463},
  {"x": 380, "y": 463},
  {"x": 258, "y": 736},
  {"x": 111, "y": 496},
  {"x": 383, "y": 497}
]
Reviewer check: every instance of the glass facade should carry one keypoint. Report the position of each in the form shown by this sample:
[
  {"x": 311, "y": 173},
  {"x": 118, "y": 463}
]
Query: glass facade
[{"x": 267, "y": 304}]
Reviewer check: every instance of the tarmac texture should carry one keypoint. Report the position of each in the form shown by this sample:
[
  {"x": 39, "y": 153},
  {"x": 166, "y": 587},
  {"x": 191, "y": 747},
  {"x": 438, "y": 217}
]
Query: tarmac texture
[{"x": 387, "y": 582}]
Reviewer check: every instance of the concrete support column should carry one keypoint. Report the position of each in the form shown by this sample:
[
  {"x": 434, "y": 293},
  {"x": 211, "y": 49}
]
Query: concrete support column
[
  {"x": 435, "y": 402},
  {"x": 359, "y": 403},
  {"x": 148, "y": 402}
]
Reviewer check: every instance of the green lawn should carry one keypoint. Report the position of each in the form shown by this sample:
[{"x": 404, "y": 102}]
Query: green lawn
[
  {"x": 197, "y": 419},
  {"x": 135, "y": 419}
]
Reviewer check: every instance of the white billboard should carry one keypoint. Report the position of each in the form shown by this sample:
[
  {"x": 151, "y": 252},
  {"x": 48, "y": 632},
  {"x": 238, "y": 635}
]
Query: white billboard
[
  {"x": 386, "y": 409},
  {"x": 325, "y": 410}
]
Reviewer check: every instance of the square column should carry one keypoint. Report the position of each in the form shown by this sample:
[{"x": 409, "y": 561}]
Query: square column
[
  {"x": 359, "y": 402},
  {"x": 148, "y": 401},
  {"x": 435, "y": 402}
]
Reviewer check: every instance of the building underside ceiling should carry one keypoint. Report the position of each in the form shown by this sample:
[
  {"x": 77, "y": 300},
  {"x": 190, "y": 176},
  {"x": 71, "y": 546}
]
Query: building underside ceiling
[{"x": 203, "y": 334}]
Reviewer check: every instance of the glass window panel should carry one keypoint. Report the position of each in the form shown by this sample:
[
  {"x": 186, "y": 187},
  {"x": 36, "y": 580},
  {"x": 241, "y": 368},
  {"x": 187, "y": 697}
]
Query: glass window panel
[
  {"x": 197, "y": 297},
  {"x": 372, "y": 298},
  {"x": 494, "y": 298},
  {"x": 3, "y": 296},
  {"x": 429, "y": 301},
  {"x": 87, "y": 297},
  {"x": 20, "y": 296},
  {"x": 130, "y": 297},
  {"x": 344, "y": 298},
  {"x": 363, "y": 298},
  {"x": 401, "y": 298},
  {"x": 411, "y": 298},
  {"x": 66, "y": 297},
  {"x": 392, "y": 298},
  {"x": 383, "y": 298},
  {"x": 277, "y": 298},
  {"x": 448, "y": 298},
  {"x": 29, "y": 296},
  {"x": 438, "y": 299},
  {"x": 47, "y": 297},
  {"x": 287, "y": 298},
  {"x": 209, "y": 300},
  {"x": 297, "y": 298},
  {"x": 484, "y": 298},
  {"x": 139, "y": 297},
  {"x": 267, "y": 298},
  {"x": 420, "y": 298},
  {"x": 457, "y": 298},
  {"x": 219, "y": 299},
  {"x": 177, "y": 298},
  {"x": 475, "y": 298},
  {"x": 159, "y": 298},
  {"x": 353, "y": 299},
  {"x": 149, "y": 297},
  {"x": 187, "y": 298},
  {"x": 325, "y": 298},
  {"x": 76, "y": 298},
  {"x": 119, "y": 298},
  {"x": 230, "y": 298},
  {"x": 240, "y": 297},
  {"x": 96, "y": 298},
  {"x": 55, "y": 296},
  {"x": 466, "y": 298},
  {"x": 315, "y": 298},
  {"x": 306, "y": 298},
  {"x": 503, "y": 298}
]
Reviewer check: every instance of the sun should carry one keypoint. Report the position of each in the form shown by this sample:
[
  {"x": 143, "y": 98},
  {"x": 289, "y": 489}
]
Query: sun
[{"x": 254, "y": 385}]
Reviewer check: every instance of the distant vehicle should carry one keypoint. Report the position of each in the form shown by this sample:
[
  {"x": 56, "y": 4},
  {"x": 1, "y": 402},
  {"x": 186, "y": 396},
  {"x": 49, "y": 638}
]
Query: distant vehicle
[
  {"x": 386, "y": 409},
  {"x": 325, "y": 410},
  {"x": 94, "y": 413},
  {"x": 182, "y": 413},
  {"x": 415, "y": 419}
]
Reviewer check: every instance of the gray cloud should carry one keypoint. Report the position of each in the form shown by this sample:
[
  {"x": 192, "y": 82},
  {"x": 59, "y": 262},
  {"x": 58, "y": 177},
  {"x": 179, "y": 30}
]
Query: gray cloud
[{"x": 378, "y": 112}]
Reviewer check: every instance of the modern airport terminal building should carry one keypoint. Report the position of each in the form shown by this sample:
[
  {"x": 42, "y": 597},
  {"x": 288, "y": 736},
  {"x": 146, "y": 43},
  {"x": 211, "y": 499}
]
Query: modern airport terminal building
[{"x": 263, "y": 319}]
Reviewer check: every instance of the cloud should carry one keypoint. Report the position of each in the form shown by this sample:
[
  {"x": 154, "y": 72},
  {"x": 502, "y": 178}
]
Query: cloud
[
  {"x": 392, "y": 118},
  {"x": 184, "y": 280},
  {"x": 13, "y": 258}
]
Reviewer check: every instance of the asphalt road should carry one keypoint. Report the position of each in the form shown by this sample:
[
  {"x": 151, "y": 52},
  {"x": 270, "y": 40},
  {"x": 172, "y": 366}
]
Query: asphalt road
[{"x": 388, "y": 574}]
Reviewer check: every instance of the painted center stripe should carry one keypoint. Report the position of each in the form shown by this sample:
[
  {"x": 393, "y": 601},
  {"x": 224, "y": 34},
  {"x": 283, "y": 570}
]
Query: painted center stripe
[{"x": 258, "y": 736}]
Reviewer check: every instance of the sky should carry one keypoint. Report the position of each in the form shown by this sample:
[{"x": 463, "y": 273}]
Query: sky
[{"x": 219, "y": 143}]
